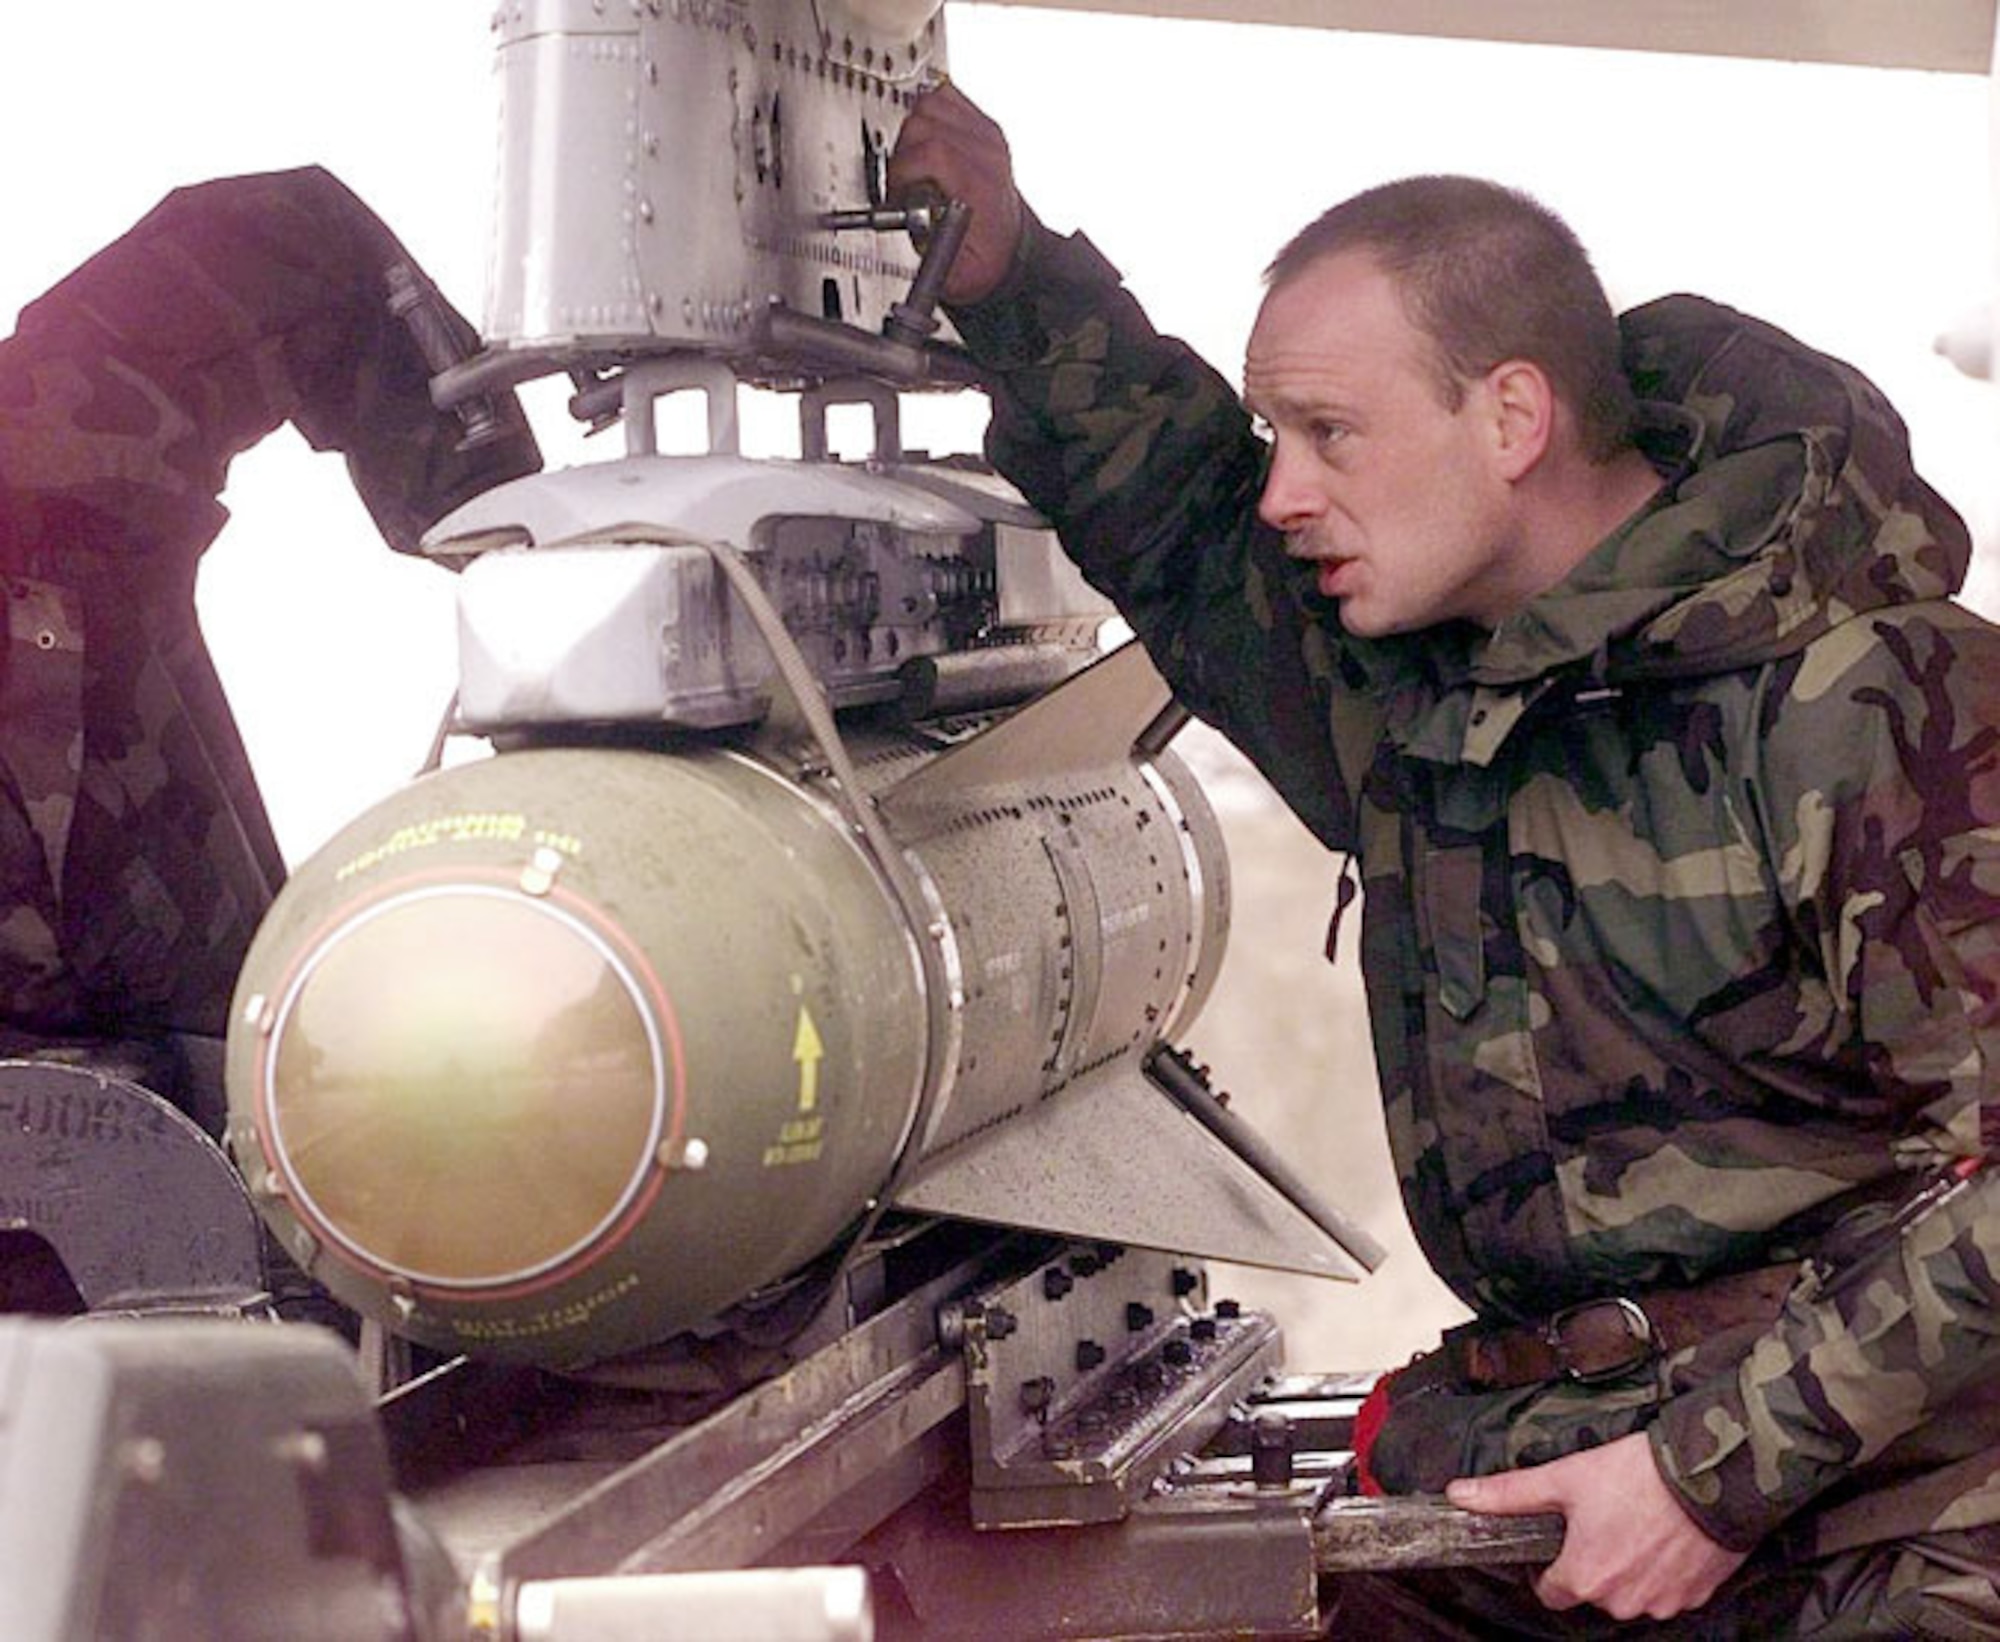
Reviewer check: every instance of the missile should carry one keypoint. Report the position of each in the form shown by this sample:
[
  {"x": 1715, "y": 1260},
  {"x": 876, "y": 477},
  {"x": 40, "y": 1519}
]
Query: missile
[
  {"x": 555, "y": 1054},
  {"x": 644, "y": 1021}
]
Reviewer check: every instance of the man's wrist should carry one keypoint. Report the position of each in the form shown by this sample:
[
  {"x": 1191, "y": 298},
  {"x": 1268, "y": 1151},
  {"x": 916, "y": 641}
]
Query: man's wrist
[
  {"x": 1053, "y": 280},
  {"x": 1017, "y": 276}
]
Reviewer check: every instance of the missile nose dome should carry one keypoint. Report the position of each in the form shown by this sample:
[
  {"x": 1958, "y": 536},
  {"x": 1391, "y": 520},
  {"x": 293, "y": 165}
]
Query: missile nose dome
[{"x": 470, "y": 1087}]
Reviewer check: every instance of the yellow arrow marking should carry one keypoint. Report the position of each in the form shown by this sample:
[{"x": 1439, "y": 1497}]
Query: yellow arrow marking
[{"x": 808, "y": 1051}]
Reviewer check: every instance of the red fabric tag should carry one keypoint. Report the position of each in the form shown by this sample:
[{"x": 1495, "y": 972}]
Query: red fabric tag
[{"x": 1368, "y": 1420}]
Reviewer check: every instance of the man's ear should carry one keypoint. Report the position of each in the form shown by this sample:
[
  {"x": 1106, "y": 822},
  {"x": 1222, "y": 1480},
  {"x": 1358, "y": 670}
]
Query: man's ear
[{"x": 1522, "y": 406}]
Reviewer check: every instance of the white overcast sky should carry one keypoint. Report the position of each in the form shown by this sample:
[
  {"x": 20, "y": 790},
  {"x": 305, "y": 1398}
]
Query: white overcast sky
[{"x": 1852, "y": 206}]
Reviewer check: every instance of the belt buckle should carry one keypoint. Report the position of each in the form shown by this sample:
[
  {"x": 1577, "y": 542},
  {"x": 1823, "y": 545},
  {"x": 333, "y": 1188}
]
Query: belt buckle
[{"x": 1644, "y": 1344}]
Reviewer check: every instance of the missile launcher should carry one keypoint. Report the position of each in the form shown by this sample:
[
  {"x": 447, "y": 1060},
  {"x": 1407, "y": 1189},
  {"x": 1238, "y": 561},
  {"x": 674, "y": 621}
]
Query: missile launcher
[{"x": 773, "y": 911}]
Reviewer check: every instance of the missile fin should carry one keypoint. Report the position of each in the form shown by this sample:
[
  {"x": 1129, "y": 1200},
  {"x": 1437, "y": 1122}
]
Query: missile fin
[
  {"x": 1086, "y": 722},
  {"x": 1113, "y": 1157}
]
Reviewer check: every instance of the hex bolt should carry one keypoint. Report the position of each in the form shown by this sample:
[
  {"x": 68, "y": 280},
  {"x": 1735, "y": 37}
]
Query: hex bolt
[
  {"x": 1138, "y": 1317},
  {"x": 1089, "y": 1354},
  {"x": 1202, "y": 1328},
  {"x": 1037, "y": 1394},
  {"x": 1000, "y": 1322},
  {"x": 1228, "y": 1310},
  {"x": 1271, "y": 1445},
  {"x": 1085, "y": 1265},
  {"x": 538, "y": 877},
  {"x": 305, "y": 1449},
  {"x": 143, "y": 1459},
  {"x": 1056, "y": 1283},
  {"x": 1178, "y": 1352},
  {"x": 1184, "y": 1282}
]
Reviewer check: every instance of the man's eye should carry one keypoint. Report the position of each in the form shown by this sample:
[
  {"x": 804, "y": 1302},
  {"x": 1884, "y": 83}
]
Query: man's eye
[{"x": 1327, "y": 434}]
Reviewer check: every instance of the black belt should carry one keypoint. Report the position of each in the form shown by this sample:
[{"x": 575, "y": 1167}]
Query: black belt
[{"x": 1603, "y": 1339}]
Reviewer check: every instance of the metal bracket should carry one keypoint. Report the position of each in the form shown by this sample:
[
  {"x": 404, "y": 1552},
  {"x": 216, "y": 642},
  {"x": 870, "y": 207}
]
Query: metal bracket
[
  {"x": 646, "y": 383},
  {"x": 1086, "y": 1380},
  {"x": 879, "y": 397}
]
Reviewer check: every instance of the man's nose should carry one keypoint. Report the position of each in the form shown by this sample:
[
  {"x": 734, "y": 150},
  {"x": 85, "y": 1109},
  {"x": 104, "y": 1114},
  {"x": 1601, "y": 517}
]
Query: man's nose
[{"x": 1288, "y": 500}]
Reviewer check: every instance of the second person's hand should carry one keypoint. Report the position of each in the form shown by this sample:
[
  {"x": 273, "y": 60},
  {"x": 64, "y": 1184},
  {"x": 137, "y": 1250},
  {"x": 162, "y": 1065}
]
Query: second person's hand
[{"x": 947, "y": 144}]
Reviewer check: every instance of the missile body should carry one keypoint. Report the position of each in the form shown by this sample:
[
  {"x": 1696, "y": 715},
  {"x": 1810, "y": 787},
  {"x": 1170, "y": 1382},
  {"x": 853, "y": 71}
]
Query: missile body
[{"x": 556, "y": 1054}]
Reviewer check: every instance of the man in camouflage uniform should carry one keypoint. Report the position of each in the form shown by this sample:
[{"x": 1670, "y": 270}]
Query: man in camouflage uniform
[
  {"x": 1621, "y": 655},
  {"x": 135, "y": 855}
]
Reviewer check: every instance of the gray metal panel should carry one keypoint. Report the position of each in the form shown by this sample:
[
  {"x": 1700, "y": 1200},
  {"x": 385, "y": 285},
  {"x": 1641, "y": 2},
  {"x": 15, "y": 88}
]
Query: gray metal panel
[
  {"x": 141, "y": 1207},
  {"x": 664, "y": 166},
  {"x": 1205, "y": 1565},
  {"x": 1087, "y": 1380},
  {"x": 1091, "y": 720},
  {"x": 178, "y": 1478},
  {"x": 723, "y": 498},
  {"x": 1112, "y": 1157},
  {"x": 731, "y": 1489},
  {"x": 1956, "y": 35}
]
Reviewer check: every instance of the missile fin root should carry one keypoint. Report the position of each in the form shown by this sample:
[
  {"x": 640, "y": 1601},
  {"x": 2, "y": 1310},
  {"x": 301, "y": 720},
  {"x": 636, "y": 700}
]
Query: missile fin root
[
  {"x": 1084, "y": 723},
  {"x": 1114, "y": 1158}
]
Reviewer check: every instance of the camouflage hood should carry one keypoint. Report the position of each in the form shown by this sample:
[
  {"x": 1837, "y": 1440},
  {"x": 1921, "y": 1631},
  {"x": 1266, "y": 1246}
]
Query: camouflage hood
[{"x": 1791, "y": 506}]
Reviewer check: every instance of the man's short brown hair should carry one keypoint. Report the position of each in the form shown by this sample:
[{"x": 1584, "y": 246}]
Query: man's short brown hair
[{"x": 1489, "y": 275}]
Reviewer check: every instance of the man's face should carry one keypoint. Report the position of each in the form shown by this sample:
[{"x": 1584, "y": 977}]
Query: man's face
[{"x": 1393, "y": 495}]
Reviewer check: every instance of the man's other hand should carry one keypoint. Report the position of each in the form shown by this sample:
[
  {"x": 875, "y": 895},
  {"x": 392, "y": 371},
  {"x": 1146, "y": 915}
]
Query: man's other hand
[
  {"x": 1628, "y": 1547},
  {"x": 947, "y": 144}
]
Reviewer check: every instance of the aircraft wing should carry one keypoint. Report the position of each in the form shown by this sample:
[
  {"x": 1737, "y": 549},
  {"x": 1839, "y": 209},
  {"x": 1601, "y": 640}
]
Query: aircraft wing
[{"x": 1954, "y": 35}]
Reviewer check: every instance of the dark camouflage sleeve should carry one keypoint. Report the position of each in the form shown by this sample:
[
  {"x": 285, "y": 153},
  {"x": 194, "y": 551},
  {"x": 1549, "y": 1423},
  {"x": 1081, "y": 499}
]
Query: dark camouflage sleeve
[
  {"x": 1146, "y": 462},
  {"x": 1881, "y": 764},
  {"x": 1879, "y": 808},
  {"x": 135, "y": 855},
  {"x": 232, "y": 307}
]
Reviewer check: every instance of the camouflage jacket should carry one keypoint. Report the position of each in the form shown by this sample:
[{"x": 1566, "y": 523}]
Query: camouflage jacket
[
  {"x": 1682, "y": 885},
  {"x": 135, "y": 858}
]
